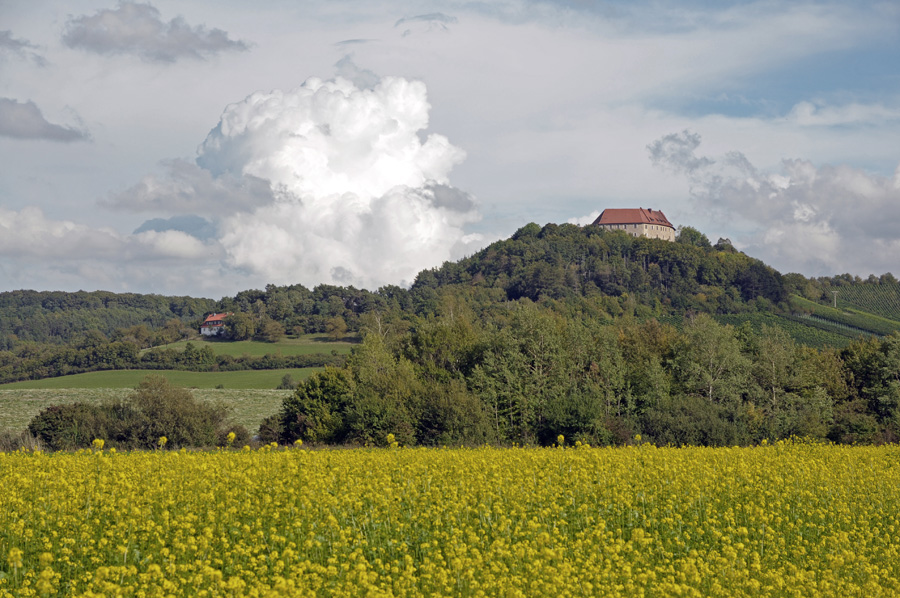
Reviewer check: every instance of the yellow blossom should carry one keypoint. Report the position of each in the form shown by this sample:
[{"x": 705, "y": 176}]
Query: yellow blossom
[{"x": 785, "y": 519}]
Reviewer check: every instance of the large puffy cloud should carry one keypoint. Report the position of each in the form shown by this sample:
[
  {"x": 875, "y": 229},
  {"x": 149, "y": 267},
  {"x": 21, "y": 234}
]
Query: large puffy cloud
[
  {"x": 813, "y": 219},
  {"x": 327, "y": 183},
  {"x": 138, "y": 29},
  {"x": 359, "y": 197},
  {"x": 25, "y": 121}
]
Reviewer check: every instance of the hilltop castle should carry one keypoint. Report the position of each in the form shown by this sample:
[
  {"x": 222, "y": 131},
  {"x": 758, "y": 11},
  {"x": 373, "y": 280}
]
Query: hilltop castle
[{"x": 637, "y": 222}]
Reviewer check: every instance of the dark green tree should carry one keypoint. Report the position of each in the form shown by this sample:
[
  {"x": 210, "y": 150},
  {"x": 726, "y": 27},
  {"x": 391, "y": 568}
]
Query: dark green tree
[
  {"x": 317, "y": 411},
  {"x": 688, "y": 235},
  {"x": 240, "y": 326}
]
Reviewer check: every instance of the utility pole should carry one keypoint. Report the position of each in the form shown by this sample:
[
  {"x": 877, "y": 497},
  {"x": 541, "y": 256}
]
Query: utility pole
[{"x": 835, "y": 298}]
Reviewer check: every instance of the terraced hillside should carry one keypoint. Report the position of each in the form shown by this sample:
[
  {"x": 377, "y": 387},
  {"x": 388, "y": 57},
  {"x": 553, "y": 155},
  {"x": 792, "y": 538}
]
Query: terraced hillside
[
  {"x": 846, "y": 321},
  {"x": 863, "y": 310},
  {"x": 881, "y": 300}
]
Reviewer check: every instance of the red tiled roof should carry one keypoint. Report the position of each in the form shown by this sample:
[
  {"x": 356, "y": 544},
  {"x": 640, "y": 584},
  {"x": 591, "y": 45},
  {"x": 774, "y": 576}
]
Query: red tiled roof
[
  {"x": 214, "y": 318},
  {"x": 632, "y": 216}
]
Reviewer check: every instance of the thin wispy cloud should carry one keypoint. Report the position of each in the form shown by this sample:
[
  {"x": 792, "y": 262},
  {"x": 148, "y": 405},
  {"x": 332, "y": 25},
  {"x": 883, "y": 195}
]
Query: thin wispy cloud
[
  {"x": 434, "y": 21},
  {"x": 22, "y": 48},
  {"x": 54, "y": 254},
  {"x": 139, "y": 30},
  {"x": 193, "y": 225},
  {"x": 817, "y": 114},
  {"x": 347, "y": 68},
  {"x": 30, "y": 234},
  {"x": 433, "y": 17},
  {"x": 676, "y": 151},
  {"x": 24, "y": 120},
  {"x": 185, "y": 188},
  {"x": 354, "y": 42}
]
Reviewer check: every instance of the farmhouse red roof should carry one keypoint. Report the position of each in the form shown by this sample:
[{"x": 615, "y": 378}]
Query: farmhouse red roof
[
  {"x": 214, "y": 318},
  {"x": 632, "y": 216}
]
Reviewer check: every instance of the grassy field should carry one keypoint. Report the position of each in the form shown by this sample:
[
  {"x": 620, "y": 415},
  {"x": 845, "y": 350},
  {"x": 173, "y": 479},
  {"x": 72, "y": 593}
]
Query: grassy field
[
  {"x": 304, "y": 345},
  {"x": 786, "y": 520},
  {"x": 243, "y": 379},
  {"x": 251, "y": 394},
  {"x": 249, "y": 406}
]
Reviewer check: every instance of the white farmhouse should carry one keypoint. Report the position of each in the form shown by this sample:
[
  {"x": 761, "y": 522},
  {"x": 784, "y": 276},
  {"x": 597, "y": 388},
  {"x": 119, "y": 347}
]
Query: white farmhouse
[{"x": 214, "y": 324}]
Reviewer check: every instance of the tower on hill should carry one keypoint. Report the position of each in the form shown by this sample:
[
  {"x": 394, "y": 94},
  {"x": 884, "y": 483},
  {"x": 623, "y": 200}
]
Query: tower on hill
[{"x": 637, "y": 222}]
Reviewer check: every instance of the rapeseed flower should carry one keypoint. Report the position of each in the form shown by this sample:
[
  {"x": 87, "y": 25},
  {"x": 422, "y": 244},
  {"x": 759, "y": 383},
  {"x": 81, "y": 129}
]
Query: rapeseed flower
[{"x": 780, "y": 520}]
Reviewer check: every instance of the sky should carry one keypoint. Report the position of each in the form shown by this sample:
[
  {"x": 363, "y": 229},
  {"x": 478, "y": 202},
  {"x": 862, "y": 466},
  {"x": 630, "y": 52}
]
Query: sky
[{"x": 203, "y": 148}]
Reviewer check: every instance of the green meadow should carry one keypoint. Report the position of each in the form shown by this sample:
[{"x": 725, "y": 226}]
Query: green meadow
[
  {"x": 250, "y": 394},
  {"x": 244, "y": 379},
  {"x": 307, "y": 344}
]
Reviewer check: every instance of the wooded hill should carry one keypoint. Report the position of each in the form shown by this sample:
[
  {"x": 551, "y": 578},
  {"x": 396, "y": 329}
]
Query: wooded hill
[
  {"x": 564, "y": 267},
  {"x": 558, "y": 330}
]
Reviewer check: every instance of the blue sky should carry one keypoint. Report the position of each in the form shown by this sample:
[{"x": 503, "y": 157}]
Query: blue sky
[{"x": 203, "y": 148}]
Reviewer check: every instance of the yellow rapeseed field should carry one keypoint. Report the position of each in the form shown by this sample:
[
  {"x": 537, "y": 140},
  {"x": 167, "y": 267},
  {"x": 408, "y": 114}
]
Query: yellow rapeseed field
[{"x": 790, "y": 519}]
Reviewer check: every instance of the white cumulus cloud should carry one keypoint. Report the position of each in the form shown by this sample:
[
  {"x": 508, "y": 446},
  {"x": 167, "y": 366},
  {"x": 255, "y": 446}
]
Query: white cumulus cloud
[{"x": 360, "y": 194}]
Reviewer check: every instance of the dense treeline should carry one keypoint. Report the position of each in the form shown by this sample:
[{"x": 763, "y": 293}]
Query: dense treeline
[
  {"x": 34, "y": 362},
  {"x": 529, "y": 375},
  {"x": 55, "y": 334},
  {"x": 559, "y": 262},
  {"x": 553, "y": 331},
  {"x": 577, "y": 269},
  {"x": 64, "y": 318},
  {"x": 582, "y": 269},
  {"x": 298, "y": 309}
]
